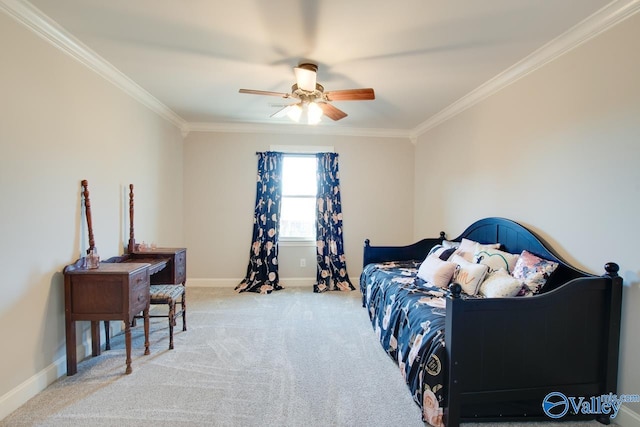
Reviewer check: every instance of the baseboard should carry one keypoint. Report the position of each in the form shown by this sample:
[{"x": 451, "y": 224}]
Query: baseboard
[
  {"x": 627, "y": 418},
  {"x": 31, "y": 387},
  {"x": 212, "y": 283},
  {"x": 17, "y": 397},
  {"x": 232, "y": 283}
]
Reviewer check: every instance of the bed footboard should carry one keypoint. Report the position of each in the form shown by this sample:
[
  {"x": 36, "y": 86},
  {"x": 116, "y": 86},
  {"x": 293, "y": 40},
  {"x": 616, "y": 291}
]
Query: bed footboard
[{"x": 505, "y": 355}]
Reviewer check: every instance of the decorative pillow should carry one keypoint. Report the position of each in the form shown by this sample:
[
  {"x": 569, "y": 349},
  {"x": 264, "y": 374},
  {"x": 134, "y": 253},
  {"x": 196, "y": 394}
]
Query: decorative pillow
[
  {"x": 495, "y": 258},
  {"x": 436, "y": 271},
  {"x": 435, "y": 248},
  {"x": 468, "y": 275},
  {"x": 441, "y": 252},
  {"x": 449, "y": 244},
  {"x": 468, "y": 247},
  {"x": 500, "y": 284},
  {"x": 533, "y": 271}
]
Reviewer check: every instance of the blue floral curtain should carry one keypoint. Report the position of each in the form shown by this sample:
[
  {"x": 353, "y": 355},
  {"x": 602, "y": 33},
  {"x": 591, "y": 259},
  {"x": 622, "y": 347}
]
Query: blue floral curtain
[
  {"x": 332, "y": 266},
  {"x": 262, "y": 272}
]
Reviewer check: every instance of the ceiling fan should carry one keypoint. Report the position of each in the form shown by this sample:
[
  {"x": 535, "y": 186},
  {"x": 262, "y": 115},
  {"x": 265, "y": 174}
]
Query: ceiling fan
[{"x": 312, "y": 99}]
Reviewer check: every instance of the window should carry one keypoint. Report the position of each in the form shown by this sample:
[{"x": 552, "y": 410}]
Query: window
[{"x": 298, "y": 209}]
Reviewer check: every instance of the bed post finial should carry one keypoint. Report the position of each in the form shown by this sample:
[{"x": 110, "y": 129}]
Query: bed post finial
[
  {"x": 366, "y": 242},
  {"x": 612, "y": 269},
  {"x": 456, "y": 290},
  {"x": 442, "y": 235}
]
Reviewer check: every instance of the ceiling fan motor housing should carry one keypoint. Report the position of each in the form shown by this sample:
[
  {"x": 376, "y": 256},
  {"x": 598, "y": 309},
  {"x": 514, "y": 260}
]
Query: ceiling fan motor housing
[
  {"x": 308, "y": 96},
  {"x": 309, "y": 66}
]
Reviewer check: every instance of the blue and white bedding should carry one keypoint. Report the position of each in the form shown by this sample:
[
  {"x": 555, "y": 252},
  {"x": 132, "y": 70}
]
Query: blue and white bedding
[{"x": 408, "y": 316}]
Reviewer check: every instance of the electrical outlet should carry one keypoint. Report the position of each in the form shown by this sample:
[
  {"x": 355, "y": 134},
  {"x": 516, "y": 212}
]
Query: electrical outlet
[{"x": 303, "y": 262}]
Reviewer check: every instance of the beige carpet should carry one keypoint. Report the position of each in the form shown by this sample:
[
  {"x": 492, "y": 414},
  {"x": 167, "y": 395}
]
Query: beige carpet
[{"x": 292, "y": 358}]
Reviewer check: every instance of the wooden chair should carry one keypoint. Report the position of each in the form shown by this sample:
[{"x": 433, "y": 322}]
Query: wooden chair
[{"x": 169, "y": 295}]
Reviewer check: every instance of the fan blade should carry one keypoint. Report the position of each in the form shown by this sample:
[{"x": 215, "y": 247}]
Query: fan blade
[
  {"x": 305, "y": 78},
  {"x": 332, "y": 112},
  {"x": 351, "y": 95},
  {"x": 283, "y": 111},
  {"x": 264, "y": 92}
]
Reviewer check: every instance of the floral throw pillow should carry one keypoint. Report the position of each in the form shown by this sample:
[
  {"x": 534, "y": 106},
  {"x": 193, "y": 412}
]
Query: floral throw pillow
[{"x": 533, "y": 271}]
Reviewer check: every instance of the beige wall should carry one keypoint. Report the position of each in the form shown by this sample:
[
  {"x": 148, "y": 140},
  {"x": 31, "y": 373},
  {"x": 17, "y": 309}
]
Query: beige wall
[
  {"x": 558, "y": 151},
  {"x": 220, "y": 169},
  {"x": 61, "y": 123}
]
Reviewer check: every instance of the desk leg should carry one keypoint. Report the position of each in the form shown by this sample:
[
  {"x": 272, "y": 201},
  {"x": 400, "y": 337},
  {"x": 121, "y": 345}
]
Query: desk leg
[
  {"x": 127, "y": 342},
  {"x": 72, "y": 361},
  {"x": 145, "y": 313},
  {"x": 184, "y": 307},
  {"x": 95, "y": 338},
  {"x": 107, "y": 335}
]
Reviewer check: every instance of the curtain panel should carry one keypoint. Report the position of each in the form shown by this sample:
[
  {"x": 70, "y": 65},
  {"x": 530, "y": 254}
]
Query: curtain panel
[
  {"x": 262, "y": 271},
  {"x": 332, "y": 266}
]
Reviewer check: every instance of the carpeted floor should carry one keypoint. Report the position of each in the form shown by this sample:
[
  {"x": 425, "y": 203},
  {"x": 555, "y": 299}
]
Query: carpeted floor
[{"x": 292, "y": 358}]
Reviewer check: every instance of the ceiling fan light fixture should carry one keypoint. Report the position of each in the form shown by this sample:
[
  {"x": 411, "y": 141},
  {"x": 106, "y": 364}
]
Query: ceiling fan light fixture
[
  {"x": 294, "y": 112},
  {"x": 314, "y": 113},
  {"x": 306, "y": 77}
]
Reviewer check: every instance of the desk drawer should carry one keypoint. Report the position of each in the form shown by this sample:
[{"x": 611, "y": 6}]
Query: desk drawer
[{"x": 139, "y": 291}]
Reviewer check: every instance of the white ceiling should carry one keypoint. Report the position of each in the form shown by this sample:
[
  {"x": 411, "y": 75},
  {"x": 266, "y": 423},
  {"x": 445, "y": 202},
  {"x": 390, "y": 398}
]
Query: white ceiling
[{"x": 421, "y": 56}]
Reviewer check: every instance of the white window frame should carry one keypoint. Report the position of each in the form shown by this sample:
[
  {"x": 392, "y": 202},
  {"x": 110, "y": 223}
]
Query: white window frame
[{"x": 299, "y": 150}]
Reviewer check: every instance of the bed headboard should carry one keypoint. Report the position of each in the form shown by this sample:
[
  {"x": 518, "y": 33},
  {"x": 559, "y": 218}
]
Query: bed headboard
[{"x": 514, "y": 238}]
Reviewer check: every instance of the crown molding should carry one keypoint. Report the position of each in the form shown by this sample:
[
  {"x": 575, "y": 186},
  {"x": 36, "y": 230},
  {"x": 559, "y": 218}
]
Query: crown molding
[
  {"x": 31, "y": 17},
  {"x": 296, "y": 129},
  {"x": 600, "y": 21}
]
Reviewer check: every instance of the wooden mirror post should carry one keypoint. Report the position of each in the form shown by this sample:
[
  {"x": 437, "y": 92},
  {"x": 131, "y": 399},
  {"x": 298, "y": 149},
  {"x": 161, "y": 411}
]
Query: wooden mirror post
[
  {"x": 87, "y": 210},
  {"x": 132, "y": 241}
]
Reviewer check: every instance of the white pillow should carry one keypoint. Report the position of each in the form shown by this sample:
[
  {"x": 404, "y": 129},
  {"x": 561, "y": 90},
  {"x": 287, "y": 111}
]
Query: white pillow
[
  {"x": 468, "y": 247},
  {"x": 500, "y": 284},
  {"x": 468, "y": 275},
  {"x": 436, "y": 271},
  {"x": 495, "y": 258},
  {"x": 449, "y": 244}
]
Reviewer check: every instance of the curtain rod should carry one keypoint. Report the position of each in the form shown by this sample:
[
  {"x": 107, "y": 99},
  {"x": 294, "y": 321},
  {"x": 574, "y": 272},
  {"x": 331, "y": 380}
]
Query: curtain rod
[{"x": 287, "y": 153}]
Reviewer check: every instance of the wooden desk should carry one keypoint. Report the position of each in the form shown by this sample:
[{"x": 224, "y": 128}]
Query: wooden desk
[
  {"x": 168, "y": 266},
  {"x": 110, "y": 292}
]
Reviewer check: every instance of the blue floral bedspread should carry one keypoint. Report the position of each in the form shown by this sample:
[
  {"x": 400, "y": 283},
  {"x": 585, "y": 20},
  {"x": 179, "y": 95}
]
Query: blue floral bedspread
[{"x": 408, "y": 316}]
